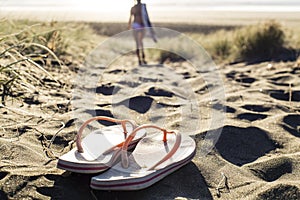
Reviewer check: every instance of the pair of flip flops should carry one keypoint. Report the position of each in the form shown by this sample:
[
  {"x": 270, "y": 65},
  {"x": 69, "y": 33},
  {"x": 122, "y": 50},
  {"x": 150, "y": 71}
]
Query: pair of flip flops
[{"x": 154, "y": 156}]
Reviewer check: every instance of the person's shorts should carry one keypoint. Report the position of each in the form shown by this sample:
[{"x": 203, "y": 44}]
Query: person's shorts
[{"x": 137, "y": 26}]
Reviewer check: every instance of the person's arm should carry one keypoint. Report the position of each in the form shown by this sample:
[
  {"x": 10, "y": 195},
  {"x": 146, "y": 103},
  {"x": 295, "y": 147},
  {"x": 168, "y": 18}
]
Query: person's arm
[{"x": 130, "y": 19}]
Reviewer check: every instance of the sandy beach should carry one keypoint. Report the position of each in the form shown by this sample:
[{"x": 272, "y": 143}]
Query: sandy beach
[{"x": 256, "y": 155}]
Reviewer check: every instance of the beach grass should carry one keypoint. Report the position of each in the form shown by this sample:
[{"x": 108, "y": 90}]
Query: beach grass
[
  {"x": 27, "y": 46},
  {"x": 23, "y": 53},
  {"x": 263, "y": 41}
]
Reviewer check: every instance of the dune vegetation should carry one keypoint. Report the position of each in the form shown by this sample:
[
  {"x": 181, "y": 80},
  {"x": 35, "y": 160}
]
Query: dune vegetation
[{"x": 28, "y": 47}]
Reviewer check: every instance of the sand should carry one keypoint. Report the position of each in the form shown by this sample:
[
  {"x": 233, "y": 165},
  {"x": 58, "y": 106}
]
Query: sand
[{"x": 255, "y": 157}]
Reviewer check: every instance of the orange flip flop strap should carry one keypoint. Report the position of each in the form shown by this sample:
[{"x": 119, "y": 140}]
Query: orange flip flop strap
[
  {"x": 171, "y": 152},
  {"x": 124, "y": 156},
  {"x": 122, "y": 122}
]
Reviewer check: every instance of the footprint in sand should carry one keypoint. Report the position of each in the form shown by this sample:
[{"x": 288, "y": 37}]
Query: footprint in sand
[
  {"x": 3, "y": 175},
  {"x": 153, "y": 91},
  {"x": 256, "y": 108},
  {"x": 272, "y": 169},
  {"x": 282, "y": 80},
  {"x": 227, "y": 109},
  {"x": 187, "y": 75},
  {"x": 280, "y": 192},
  {"x": 107, "y": 89},
  {"x": 239, "y": 145},
  {"x": 140, "y": 104},
  {"x": 285, "y": 95},
  {"x": 241, "y": 78},
  {"x": 254, "y": 116},
  {"x": 101, "y": 112},
  {"x": 251, "y": 116},
  {"x": 292, "y": 124}
]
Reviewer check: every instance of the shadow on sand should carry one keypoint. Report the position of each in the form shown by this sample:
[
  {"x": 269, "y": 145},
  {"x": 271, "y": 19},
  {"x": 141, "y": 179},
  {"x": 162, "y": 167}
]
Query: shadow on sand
[
  {"x": 240, "y": 145},
  {"x": 186, "y": 182},
  {"x": 292, "y": 124},
  {"x": 3, "y": 195}
]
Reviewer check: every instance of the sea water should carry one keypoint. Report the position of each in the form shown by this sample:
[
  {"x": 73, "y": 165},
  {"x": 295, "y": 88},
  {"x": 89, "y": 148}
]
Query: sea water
[{"x": 118, "y": 10}]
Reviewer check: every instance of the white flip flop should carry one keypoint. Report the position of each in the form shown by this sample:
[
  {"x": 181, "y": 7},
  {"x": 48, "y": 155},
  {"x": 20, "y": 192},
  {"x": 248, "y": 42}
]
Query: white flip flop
[
  {"x": 152, "y": 160},
  {"x": 99, "y": 150}
]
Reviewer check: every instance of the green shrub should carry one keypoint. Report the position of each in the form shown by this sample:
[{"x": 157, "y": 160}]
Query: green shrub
[
  {"x": 218, "y": 44},
  {"x": 254, "y": 43},
  {"x": 260, "y": 42},
  {"x": 221, "y": 49}
]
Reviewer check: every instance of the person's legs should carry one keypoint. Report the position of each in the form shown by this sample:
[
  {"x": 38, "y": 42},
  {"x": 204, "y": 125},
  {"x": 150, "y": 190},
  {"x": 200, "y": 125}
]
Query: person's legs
[
  {"x": 139, "y": 36},
  {"x": 136, "y": 37},
  {"x": 141, "y": 46}
]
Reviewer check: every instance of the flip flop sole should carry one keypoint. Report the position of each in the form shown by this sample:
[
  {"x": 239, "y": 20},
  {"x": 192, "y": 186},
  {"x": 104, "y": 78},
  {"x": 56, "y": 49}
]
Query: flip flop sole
[
  {"x": 75, "y": 162},
  {"x": 87, "y": 168},
  {"x": 84, "y": 169},
  {"x": 141, "y": 182}
]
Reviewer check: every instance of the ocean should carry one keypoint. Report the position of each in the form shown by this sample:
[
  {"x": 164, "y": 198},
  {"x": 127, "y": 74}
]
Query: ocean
[{"x": 118, "y": 10}]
